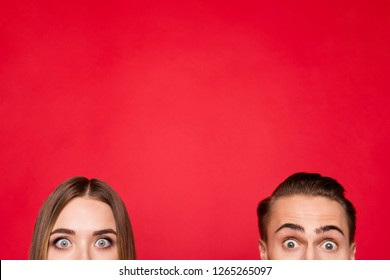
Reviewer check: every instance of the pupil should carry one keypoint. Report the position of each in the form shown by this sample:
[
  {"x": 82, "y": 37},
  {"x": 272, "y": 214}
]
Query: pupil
[
  {"x": 329, "y": 246},
  {"x": 290, "y": 244}
]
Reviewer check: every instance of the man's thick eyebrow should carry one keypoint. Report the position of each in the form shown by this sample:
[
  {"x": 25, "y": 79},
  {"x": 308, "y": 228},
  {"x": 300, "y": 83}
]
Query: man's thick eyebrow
[
  {"x": 291, "y": 226},
  {"x": 63, "y": 230},
  {"x": 104, "y": 231},
  {"x": 328, "y": 228}
]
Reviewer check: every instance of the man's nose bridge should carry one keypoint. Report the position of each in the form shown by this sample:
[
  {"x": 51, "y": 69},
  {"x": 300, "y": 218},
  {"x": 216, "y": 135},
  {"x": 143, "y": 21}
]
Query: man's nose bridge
[{"x": 310, "y": 253}]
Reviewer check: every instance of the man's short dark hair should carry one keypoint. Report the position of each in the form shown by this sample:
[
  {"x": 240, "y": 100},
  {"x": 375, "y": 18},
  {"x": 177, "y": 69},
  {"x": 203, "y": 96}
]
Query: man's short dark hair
[{"x": 310, "y": 184}]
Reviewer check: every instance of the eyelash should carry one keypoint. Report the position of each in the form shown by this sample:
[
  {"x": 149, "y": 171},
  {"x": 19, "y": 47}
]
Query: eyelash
[
  {"x": 289, "y": 238},
  {"x": 54, "y": 242},
  {"x": 330, "y": 240},
  {"x": 109, "y": 239}
]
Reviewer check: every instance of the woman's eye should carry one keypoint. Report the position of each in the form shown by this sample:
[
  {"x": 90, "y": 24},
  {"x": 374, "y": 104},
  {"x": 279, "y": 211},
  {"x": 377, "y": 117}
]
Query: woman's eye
[
  {"x": 63, "y": 243},
  {"x": 329, "y": 245},
  {"x": 103, "y": 243},
  {"x": 290, "y": 243}
]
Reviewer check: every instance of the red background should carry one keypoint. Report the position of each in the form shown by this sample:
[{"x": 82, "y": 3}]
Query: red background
[{"x": 194, "y": 111}]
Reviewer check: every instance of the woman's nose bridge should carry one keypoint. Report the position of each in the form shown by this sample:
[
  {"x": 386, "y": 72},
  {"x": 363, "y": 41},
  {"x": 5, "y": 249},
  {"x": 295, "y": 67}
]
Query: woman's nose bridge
[{"x": 83, "y": 251}]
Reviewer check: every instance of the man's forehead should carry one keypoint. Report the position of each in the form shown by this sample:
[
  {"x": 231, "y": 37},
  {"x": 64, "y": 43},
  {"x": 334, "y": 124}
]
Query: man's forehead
[{"x": 307, "y": 211}]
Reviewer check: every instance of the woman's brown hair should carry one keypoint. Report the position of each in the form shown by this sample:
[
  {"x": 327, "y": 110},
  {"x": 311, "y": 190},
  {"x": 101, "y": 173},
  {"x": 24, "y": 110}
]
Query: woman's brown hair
[{"x": 81, "y": 187}]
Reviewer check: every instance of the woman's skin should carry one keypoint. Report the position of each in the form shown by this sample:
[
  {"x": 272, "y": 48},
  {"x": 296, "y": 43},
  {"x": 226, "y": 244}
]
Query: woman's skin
[{"x": 84, "y": 230}]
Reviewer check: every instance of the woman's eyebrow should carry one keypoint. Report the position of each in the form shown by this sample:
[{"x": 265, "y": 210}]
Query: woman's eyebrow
[
  {"x": 104, "y": 231},
  {"x": 63, "y": 230},
  {"x": 328, "y": 228}
]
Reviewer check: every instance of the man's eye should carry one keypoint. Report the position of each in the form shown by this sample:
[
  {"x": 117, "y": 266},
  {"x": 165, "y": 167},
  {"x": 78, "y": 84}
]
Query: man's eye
[
  {"x": 102, "y": 243},
  {"x": 290, "y": 243},
  {"x": 62, "y": 243},
  {"x": 329, "y": 245}
]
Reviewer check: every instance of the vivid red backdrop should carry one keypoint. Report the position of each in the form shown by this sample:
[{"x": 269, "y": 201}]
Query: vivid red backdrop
[{"x": 194, "y": 111}]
